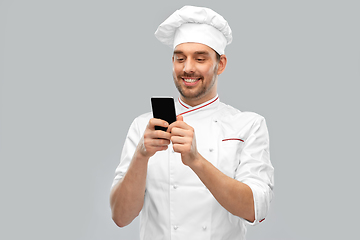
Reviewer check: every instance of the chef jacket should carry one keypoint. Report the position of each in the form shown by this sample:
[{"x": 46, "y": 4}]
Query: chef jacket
[{"x": 177, "y": 205}]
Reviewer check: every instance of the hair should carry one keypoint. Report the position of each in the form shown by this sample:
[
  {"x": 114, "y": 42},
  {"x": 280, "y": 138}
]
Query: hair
[{"x": 217, "y": 57}]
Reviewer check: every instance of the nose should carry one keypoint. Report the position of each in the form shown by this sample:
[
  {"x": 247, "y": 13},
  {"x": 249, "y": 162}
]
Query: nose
[{"x": 189, "y": 66}]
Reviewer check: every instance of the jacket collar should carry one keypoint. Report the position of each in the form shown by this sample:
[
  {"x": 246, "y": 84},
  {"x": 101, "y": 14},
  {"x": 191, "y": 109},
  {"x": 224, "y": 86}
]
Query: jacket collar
[{"x": 184, "y": 108}]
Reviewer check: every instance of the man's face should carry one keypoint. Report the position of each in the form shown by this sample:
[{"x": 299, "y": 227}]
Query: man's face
[{"x": 195, "y": 70}]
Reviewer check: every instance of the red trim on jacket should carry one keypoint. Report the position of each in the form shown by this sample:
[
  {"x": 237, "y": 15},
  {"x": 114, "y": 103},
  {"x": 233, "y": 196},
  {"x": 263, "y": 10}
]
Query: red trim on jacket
[
  {"x": 182, "y": 104},
  {"x": 199, "y": 107},
  {"x": 237, "y": 139}
]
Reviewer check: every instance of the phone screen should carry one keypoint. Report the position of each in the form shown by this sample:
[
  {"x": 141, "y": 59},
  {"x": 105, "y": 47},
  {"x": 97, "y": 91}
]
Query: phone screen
[{"x": 163, "y": 108}]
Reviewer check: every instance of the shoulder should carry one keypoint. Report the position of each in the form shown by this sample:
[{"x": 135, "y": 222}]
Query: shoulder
[
  {"x": 234, "y": 122},
  {"x": 228, "y": 113},
  {"x": 140, "y": 122},
  {"x": 144, "y": 117}
]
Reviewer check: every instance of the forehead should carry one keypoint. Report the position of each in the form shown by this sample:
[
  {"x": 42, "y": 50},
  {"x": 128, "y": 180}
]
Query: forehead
[{"x": 194, "y": 48}]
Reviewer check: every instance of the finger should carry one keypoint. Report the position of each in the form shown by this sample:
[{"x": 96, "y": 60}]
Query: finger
[
  {"x": 178, "y": 131},
  {"x": 178, "y": 124},
  {"x": 157, "y": 134},
  {"x": 180, "y": 118},
  {"x": 179, "y": 140},
  {"x": 181, "y": 148},
  {"x": 159, "y": 143},
  {"x": 157, "y": 122}
]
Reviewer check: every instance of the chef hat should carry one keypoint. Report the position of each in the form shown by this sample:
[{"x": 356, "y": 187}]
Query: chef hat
[{"x": 195, "y": 24}]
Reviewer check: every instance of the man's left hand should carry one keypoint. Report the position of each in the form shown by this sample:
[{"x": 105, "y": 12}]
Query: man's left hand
[{"x": 184, "y": 141}]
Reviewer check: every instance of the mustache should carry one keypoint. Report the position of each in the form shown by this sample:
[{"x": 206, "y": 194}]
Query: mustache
[{"x": 186, "y": 75}]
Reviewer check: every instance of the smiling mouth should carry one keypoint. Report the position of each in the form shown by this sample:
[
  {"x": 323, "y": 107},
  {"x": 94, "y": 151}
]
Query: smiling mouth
[{"x": 191, "y": 80}]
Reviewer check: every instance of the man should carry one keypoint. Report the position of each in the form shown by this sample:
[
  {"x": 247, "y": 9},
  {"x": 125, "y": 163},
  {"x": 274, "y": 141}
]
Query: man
[{"x": 210, "y": 172}]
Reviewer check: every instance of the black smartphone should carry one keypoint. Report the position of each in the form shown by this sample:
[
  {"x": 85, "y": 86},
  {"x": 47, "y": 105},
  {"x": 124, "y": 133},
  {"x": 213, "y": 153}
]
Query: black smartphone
[{"x": 163, "y": 108}]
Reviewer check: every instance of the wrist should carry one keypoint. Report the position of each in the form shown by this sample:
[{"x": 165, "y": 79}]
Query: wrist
[
  {"x": 141, "y": 155},
  {"x": 198, "y": 163},
  {"x": 141, "y": 151}
]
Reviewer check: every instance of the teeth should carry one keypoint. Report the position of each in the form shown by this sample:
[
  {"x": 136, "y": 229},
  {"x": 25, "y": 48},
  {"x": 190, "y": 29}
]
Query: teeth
[{"x": 190, "y": 80}]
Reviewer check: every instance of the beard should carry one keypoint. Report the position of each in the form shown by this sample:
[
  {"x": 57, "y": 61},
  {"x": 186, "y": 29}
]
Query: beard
[{"x": 198, "y": 91}]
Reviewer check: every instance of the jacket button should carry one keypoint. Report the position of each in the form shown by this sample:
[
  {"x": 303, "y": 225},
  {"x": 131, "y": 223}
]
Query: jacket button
[
  {"x": 176, "y": 227},
  {"x": 204, "y": 227}
]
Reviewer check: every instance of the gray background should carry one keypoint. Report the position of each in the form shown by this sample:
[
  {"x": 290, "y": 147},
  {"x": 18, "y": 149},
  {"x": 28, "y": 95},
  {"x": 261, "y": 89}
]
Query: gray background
[{"x": 74, "y": 74}]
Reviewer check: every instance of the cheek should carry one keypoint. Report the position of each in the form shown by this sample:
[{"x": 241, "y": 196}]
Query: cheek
[
  {"x": 177, "y": 68},
  {"x": 208, "y": 70}
]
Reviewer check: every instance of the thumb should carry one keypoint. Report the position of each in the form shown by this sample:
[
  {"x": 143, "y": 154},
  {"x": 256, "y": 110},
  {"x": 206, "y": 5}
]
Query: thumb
[{"x": 180, "y": 118}]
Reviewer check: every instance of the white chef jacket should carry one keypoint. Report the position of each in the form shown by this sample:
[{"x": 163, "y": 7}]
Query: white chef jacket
[{"x": 177, "y": 204}]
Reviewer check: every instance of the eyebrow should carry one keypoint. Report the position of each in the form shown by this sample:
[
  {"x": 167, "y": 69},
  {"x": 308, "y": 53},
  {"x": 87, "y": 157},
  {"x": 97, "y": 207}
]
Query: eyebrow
[
  {"x": 178, "y": 52},
  {"x": 202, "y": 53},
  {"x": 197, "y": 52}
]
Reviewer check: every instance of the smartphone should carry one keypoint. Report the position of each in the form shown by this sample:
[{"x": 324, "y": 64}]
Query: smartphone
[{"x": 163, "y": 108}]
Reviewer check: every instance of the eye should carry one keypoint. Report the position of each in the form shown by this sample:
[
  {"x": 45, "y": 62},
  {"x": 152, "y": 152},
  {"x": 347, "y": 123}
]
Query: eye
[{"x": 200, "y": 59}]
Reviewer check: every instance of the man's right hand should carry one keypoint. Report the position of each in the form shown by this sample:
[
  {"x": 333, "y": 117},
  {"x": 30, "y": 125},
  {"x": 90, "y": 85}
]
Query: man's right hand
[{"x": 154, "y": 140}]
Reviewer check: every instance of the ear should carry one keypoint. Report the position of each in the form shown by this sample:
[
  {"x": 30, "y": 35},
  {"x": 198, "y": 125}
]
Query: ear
[{"x": 222, "y": 64}]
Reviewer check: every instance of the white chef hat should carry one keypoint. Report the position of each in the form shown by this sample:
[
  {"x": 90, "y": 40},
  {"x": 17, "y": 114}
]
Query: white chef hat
[{"x": 195, "y": 24}]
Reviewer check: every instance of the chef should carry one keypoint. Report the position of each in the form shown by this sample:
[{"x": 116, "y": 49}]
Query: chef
[{"x": 209, "y": 175}]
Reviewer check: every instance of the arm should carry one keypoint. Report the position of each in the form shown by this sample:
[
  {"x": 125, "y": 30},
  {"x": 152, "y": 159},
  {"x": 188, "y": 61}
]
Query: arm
[
  {"x": 127, "y": 196},
  {"x": 233, "y": 195}
]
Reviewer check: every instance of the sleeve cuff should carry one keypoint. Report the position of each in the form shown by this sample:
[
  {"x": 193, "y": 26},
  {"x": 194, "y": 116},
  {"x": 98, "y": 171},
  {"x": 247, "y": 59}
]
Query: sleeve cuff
[{"x": 261, "y": 203}]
